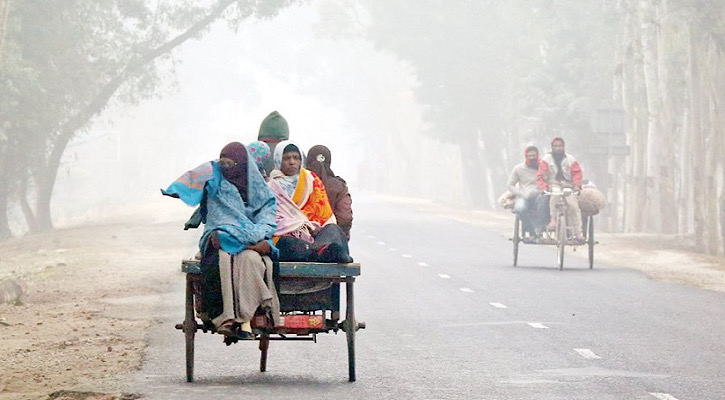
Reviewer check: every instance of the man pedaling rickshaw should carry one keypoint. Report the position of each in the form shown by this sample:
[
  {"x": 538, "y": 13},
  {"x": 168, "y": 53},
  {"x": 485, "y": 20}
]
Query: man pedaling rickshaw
[{"x": 562, "y": 170}]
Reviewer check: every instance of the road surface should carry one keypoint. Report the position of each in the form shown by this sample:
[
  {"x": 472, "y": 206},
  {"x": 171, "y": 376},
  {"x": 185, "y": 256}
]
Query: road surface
[{"x": 448, "y": 317}]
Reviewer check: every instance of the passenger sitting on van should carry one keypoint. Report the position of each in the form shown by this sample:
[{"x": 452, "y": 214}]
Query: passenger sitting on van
[
  {"x": 531, "y": 205},
  {"x": 238, "y": 211},
  {"x": 318, "y": 160},
  {"x": 306, "y": 225}
]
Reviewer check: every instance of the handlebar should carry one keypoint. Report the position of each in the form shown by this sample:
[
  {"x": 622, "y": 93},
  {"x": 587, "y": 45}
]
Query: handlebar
[{"x": 561, "y": 192}]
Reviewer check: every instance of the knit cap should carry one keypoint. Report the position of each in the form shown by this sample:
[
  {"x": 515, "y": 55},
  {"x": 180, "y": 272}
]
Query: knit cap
[{"x": 273, "y": 128}]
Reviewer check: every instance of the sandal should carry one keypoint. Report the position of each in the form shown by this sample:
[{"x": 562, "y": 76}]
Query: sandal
[
  {"x": 245, "y": 332},
  {"x": 227, "y": 328}
]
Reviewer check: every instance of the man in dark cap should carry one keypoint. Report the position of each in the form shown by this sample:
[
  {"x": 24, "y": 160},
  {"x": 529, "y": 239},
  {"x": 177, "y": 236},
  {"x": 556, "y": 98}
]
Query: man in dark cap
[{"x": 273, "y": 130}]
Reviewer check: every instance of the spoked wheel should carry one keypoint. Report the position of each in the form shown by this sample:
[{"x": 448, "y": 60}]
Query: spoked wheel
[
  {"x": 560, "y": 240},
  {"x": 590, "y": 240},
  {"x": 517, "y": 238},
  {"x": 263, "y": 347},
  {"x": 189, "y": 327},
  {"x": 350, "y": 326}
]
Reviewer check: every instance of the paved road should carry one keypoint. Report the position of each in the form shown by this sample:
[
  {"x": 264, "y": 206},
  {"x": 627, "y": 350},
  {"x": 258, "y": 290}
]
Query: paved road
[{"x": 449, "y": 318}]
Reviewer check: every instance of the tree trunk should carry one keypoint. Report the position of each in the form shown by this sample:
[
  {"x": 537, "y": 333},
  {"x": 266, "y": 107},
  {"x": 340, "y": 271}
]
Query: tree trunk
[
  {"x": 666, "y": 171},
  {"x": 30, "y": 219},
  {"x": 697, "y": 143},
  {"x": 628, "y": 100},
  {"x": 649, "y": 44},
  {"x": 685, "y": 201},
  {"x": 4, "y": 14},
  {"x": 472, "y": 170},
  {"x": 5, "y": 232},
  {"x": 713, "y": 153},
  {"x": 640, "y": 201},
  {"x": 46, "y": 178}
]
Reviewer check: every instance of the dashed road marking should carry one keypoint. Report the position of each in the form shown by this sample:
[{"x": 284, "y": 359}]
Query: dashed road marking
[
  {"x": 498, "y": 305},
  {"x": 444, "y": 276},
  {"x": 467, "y": 290},
  {"x": 422, "y": 264},
  {"x": 407, "y": 256},
  {"x": 371, "y": 236},
  {"x": 538, "y": 325},
  {"x": 586, "y": 353},
  {"x": 664, "y": 396},
  {"x": 381, "y": 243},
  {"x": 393, "y": 249}
]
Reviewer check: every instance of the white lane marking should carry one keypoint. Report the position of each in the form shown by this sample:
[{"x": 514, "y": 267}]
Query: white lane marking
[
  {"x": 498, "y": 305},
  {"x": 493, "y": 323},
  {"x": 381, "y": 243},
  {"x": 467, "y": 290},
  {"x": 586, "y": 353},
  {"x": 422, "y": 264},
  {"x": 538, "y": 325},
  {"x": 664, "y": 396},
  {"x": 407, "y": 256},
  {"x": 393, "y": 249},
  {"x": 371, "y": 236},
  {"x": 444, "y": 276}
]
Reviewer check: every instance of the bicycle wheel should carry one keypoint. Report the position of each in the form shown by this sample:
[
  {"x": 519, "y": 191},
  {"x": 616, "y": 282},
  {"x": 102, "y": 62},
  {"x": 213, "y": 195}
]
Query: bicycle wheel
[
  {"x": 560, "y": 240},
  {"x": 517, "y": 238}
]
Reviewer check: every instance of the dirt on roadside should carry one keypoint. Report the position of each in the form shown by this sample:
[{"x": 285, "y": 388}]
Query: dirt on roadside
[
  {"x": 87, "y": 293},
  {"x": 80, "y": 323}
]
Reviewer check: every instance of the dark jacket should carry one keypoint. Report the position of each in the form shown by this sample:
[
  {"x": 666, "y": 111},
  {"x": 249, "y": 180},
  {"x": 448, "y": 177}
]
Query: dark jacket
[{"x": 341, "y": 202}]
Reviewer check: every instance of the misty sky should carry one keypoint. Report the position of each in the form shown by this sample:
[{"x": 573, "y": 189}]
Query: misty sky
[{"x": 333, "y": 92}]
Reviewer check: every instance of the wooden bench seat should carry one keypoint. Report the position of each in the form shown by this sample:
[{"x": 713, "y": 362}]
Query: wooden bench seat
[{"x": 295, "y": 269}]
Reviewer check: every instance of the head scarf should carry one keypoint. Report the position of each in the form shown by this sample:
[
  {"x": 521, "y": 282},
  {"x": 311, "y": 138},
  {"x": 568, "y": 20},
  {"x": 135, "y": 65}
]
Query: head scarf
[
  {"x": 236, "y": 174},
  {"x": 318, "y": 161},
  {"x": 238, "y": 222},
  {"x": 535, "y": 163},
  {"x": 279, "y": 151},
  {"x": 260, "y": 154}
]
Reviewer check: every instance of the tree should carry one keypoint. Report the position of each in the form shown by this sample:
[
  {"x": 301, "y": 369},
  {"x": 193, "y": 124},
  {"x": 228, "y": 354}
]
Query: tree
[
  {"x": 496, "y": 75},
  {"x": 71, "y": 58}
]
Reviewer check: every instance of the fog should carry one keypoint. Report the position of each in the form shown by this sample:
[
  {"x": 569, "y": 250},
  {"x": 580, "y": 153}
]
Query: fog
[
  {"x": 428, "y": 99},
  {"x": 344, "y": 94}
]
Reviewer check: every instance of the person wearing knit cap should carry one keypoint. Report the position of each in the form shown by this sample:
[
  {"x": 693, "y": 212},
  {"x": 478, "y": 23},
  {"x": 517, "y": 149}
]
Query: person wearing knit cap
[
  {"x": 530, "y": 203},
  {"x": 272, "y": 130},
  {"x": 562, "y": 170},
  {"x": 318, "y": 160}
]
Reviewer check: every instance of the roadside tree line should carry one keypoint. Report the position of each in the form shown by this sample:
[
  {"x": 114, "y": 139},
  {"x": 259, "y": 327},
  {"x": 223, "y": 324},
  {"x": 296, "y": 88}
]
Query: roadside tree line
[{"x": 63, "y": 62}]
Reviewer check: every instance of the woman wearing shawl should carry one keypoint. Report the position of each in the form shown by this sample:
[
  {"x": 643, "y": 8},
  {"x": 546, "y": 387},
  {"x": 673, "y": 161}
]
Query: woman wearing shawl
[
  {"x": 261, "y": 155},
  {"x": 306, "y": 225},
  {"x": 238, "y": 211},
  {"x": 318, "y": 160}
]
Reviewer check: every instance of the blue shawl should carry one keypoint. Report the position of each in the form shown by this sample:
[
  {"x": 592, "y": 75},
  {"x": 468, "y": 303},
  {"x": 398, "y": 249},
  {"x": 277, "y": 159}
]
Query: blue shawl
[{"x": 223, "y": 210}]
